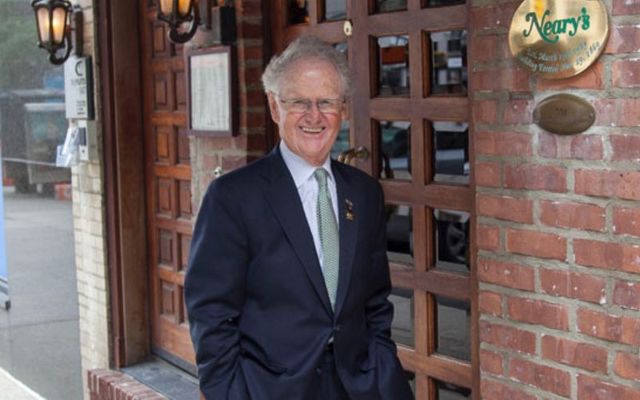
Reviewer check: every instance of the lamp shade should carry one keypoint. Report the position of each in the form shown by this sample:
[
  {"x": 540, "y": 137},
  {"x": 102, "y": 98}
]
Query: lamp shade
[
  {"x": 177, "y": 13},
  {"x": 51, "y": 21},
  {"x": 176, "y": 8}
]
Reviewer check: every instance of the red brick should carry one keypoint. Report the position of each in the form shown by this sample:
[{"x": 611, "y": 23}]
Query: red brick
[
  {"x": 573, "y": 285},
  {"x": 625, "y": 147},
  {"x": 609, "y": 327},
  {"x": 488, "y": 174},
  {"x": 627, "y": 365},
  {"x": 599, "y": 183},
  {"x": 614, "y": 256},
  {"x": 540, "y": 376},
  {"x": 591, "y": 78},
  {"x": 536, "y": 177},
  {"x": 512, "y": 79},
  {"x": 627, "y": 295},
  {"x": 488, "y": 237},
  {"x": 249, "y": 8},
  {"x": 485, "y": 111},
  {"x": 250, "y": 142},
  {"x": 503, "y": 144},
  {"x": 250, "y": 53},
  {"x": 626, "y": 7},
  {"x": 491, "y": 362},
  {"x": 617, "y": 112},
  {"x": 538, "y": 312},
  {"x": 519, "y": 112},
  {"x": 536, "y": 244},
  {"x": 572, "y": 215},
  {"x": 505, "y": 207},
  {"x": 623, "y": 39},
  {"x": 625, "y": 73},
  {"x": 497, "y": 391},
  {"x": 507, "y": 337},
  {"x": 580, "y": 147},
  {"x": 590, "y": 388},
  {"x": 494, "y": 17},
  {"x": 626, "y": 221},
  {"x": 506, "y": 274},
  {"x": 582, "y": 355},
  {"x": 484, "y": 48},
  {"x": 490, "y": 303},
  {"x": 211, "y": 144}
]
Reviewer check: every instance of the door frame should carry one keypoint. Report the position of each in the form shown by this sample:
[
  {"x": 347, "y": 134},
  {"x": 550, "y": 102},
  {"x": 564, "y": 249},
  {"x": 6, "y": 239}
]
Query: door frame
[{"x": 120, "y": 99}]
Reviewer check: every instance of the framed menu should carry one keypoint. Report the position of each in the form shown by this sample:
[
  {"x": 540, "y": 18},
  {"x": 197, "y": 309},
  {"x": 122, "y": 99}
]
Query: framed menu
[{"x": 211, "y": 91}]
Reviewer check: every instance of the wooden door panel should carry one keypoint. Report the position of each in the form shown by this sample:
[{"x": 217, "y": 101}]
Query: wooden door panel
[
  {"x": 168, "y": 187},
  {"x": 429, "y": 196}
]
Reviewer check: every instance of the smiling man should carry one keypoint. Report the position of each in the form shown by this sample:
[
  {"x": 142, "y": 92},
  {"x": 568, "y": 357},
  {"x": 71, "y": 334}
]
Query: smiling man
[{"x": 288, "y": 277}]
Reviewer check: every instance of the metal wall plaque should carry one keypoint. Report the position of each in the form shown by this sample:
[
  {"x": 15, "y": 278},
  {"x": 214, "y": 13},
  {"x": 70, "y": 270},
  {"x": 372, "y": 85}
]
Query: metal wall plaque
[
  {"x": 564, "y": 114},
  {"x": 558, "y": 38}
]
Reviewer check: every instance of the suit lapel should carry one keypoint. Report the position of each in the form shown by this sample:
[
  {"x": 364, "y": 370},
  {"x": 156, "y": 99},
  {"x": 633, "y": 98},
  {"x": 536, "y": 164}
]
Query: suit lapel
[
  {"x": 347, "y": 210},
  {"x": 283, "y": 198}
]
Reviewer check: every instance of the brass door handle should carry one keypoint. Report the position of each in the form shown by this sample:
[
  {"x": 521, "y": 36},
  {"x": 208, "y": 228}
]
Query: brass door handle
[{"x": 348, "y": 155}]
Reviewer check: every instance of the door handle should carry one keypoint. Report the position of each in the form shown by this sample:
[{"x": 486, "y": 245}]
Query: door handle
[{"x": 348, "y": 155}]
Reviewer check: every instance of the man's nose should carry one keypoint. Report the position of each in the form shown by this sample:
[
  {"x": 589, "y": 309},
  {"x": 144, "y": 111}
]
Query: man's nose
[{"x": 314, "y": 112}]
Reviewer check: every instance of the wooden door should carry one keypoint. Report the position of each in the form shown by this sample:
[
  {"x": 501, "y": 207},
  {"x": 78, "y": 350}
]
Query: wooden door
[
  {"x": 168, "y": 187},
  {"x": 411, "y": 111}
]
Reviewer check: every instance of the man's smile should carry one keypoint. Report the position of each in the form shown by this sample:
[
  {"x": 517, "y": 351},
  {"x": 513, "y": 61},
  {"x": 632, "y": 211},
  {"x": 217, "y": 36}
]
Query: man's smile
[{"x": 313, "y": 131}]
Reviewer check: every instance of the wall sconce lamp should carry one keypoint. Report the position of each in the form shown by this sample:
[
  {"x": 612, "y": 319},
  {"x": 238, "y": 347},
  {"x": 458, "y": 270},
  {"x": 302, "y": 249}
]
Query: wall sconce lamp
[
  {"x": 176, "y": 13},
  {"x": 55, "y": 21}
]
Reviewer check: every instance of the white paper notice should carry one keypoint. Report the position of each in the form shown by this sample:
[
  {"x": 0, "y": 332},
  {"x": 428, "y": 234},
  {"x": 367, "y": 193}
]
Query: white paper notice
[{"x": 210, "y": 97}]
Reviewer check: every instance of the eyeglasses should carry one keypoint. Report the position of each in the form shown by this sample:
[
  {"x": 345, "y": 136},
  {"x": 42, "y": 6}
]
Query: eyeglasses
[{"x": 303, "y": 106}]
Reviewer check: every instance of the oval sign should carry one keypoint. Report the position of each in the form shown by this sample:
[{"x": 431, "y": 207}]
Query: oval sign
[
  {"x": 558, "y": 38},
  {"x": 564, "y": 114}
]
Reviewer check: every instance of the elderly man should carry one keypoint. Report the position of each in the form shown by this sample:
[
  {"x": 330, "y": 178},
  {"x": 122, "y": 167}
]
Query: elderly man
[{"x": 288, "y": 278}]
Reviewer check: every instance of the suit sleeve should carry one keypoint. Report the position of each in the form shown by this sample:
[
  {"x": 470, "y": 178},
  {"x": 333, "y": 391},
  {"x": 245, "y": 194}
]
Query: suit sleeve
[
  {"x": 392, "y": 383},
  {"x": 214, "y": 293}
]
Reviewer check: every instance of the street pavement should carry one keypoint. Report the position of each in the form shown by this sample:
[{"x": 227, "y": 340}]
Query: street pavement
[
  {"x": 13, "y": 389},
  {"x": 39, "y": 334}
]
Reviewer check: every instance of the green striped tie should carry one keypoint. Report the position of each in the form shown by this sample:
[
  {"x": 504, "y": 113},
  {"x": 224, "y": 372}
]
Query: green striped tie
[{"x": 329, "y": 239}]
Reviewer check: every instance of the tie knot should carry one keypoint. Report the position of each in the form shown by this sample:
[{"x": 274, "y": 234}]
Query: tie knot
[{"x": 321, "y": 176}]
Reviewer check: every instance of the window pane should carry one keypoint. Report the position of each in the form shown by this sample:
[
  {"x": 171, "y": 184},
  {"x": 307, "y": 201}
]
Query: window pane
[
  {"x": 335, "y": 10},
  {"x": 395, "y": 149},
  {"x": 298, "y": 12},
  {"x": 342, "y": 141},
  {"x": 453, "y": 328},
  {"x": 451, "y": 152},
  {"x": 449, "y": 391},
  {"x": 452, "y": 240},
  {"x": 390, "y": 5},
  {"x": 402, "y": 324},
  {"x": 449, "y": 62},
  {"x": 393, "y": 65},
  {"x": 399, "y": 233}
]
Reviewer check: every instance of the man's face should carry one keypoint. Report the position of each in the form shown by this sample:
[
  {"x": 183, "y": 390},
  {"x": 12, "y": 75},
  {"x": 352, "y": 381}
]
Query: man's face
[{"x": 310, "y": 134}]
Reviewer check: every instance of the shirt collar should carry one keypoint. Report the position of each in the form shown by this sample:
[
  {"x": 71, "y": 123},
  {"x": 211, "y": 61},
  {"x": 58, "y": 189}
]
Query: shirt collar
[{"x": 299, "y": 168}]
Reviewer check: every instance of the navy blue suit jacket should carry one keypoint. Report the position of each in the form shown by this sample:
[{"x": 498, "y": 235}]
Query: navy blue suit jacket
[{"x": 259, "y": 312}]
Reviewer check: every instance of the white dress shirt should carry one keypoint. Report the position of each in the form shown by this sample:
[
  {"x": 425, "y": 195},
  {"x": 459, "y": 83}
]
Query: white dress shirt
[{"x": 302, "y": 173}]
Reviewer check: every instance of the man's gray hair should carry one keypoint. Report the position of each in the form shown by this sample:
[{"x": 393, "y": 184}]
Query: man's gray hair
[{"x": 306, "y": 47}]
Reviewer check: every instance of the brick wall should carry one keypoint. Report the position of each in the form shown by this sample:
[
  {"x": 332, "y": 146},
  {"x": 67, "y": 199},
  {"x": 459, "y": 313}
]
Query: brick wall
[
  {"x": 558, "y": 220},
  {"x": 250, "y": 143},
  {"x": 90, "y": 230}
]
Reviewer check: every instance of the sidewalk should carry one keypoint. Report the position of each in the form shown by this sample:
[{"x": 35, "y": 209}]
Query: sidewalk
[{"x": 13, "y": 389}]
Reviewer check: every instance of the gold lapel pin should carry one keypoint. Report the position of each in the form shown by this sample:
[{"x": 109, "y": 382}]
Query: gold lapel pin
[{"x": 349, "y": 210}]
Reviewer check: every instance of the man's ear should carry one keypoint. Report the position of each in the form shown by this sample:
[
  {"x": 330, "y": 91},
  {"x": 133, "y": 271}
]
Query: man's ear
[{"x": 273, "y": 107}]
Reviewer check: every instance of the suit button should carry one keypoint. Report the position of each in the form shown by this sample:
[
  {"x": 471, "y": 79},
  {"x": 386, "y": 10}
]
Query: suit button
[
  {"x": 337, "y": 328},
  {"x": 319, "y": 371}
]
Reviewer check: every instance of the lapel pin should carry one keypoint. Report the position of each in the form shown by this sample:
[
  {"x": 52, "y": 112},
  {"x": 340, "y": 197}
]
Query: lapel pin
[{"x": 349, "y": 210}]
